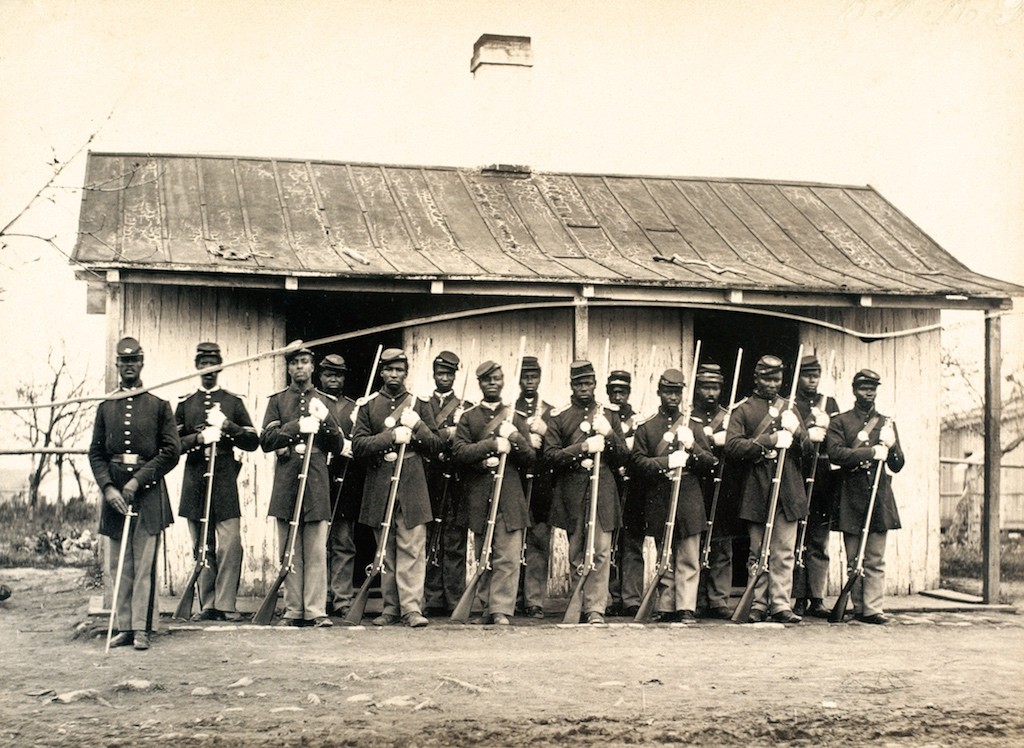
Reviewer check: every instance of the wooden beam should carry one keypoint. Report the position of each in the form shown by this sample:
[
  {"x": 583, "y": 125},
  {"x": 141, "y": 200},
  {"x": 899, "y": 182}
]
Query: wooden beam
[
  {"x": 993, "y": 459},
  {"x": 581, "y": 328}
]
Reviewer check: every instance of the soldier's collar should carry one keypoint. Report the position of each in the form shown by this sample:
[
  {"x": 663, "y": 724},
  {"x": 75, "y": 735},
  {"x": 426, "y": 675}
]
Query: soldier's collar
[
  {"x": 209, "y": 391},
  {"x": 295, "y": 388},
  {"x": 137, "y": 386},
  {"x": 443, "y": 395}
]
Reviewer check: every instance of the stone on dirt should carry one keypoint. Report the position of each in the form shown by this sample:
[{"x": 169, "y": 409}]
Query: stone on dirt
[
  {"x": 202, "y": 691},
  {"x": 242, "y": 682},
  {"x": 137, "y": 684}
]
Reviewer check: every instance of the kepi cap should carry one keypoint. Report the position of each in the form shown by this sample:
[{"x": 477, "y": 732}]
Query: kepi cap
[
  {"x": 333, "y": 362},
  {"x": 810, "y": 363},
  {"x": 391, "y": 355},
  {"x": 672, "y": 378},
  {"x": 619, "y": 378},
  {"x": 866, "y": 376},
  {"x": 299, "y": 349},
  {"x": 447, "y": 360},
  {"x": 208, "y": 350},
  {"x": 581, "y": 369},
  {"x": 530, "y": 363},
  {"x": 487, "y": 368},
  {"x": 768, "y": 365},
  {"x": 710, "y": 374},
  {"x": 128, "y": 347}
]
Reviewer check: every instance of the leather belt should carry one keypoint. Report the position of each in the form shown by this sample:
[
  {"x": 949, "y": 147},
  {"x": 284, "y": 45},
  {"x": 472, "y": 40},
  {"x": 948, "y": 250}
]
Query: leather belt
[{"x": 126, "y": 459}]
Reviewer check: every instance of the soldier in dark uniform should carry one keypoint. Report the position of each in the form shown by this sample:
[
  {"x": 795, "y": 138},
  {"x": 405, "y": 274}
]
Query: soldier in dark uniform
[
  {"x": 665, "y": 443},
  {"x": 446, "y": 574},
  {"x": 760, "y": 427},
  {"x": 213, "y": 418},
  {"x": 392, "y": 417},
  {"x": 292, "y": 415},
  {"x": 346, "y": 491},
  {"x": 484, "y": 432},
  {"x": 709, "y": 421},
  {"x": 626, "y": 583},
  {"x": 538, "y": 487},
  {"x": 810, "y": 581},
  {"x": 575, "y": 434},
  {"x": 857, "y": 441},
  {"x": 134, "y": 445}
]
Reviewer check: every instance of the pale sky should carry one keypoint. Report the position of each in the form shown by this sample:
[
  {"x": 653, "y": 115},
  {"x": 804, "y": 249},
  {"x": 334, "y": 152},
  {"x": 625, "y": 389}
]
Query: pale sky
[{"x": 922, "y": 99}]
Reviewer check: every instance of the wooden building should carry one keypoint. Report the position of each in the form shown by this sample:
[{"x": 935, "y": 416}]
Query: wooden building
[{"x": 255, "y": 252}]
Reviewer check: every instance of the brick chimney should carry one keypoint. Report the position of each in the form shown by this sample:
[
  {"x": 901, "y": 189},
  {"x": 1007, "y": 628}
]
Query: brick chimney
[{"x": 502, "y": 68}]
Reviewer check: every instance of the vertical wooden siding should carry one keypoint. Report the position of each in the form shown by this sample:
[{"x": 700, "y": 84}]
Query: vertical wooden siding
[
  {"x": 910, "y": 393},
  {"x": 169, "y": 321}
]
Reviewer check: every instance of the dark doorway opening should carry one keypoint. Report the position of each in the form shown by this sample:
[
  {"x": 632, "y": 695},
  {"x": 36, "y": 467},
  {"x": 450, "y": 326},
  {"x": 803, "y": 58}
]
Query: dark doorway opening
[{"x": 721, "y": 335}]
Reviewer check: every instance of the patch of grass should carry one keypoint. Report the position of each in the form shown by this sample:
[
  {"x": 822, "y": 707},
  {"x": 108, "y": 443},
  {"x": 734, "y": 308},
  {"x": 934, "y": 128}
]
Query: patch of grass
[
  {"x": 963, "y": 561},
  {"x": 49, "y": 536}
]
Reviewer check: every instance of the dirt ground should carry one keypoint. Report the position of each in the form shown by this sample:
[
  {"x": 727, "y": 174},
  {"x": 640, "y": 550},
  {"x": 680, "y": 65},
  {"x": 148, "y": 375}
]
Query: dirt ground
[{"x": 927, "y": 679}]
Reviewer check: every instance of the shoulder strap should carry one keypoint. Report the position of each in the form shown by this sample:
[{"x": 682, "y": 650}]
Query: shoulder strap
[
  {"x": 448, "y": 409},
  {"x": 768, "y": 418}
]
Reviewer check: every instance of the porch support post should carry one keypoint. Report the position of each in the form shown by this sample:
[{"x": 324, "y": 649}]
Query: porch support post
[
  {"x": 581, "y": 328},
  {"x": 993, "y": 459}
]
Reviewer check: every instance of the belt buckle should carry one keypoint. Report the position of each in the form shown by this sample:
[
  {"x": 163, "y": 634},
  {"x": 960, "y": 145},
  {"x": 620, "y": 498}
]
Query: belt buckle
[
  {"x": 129, "y": 459},
  {"x": 390, "y": 456}
]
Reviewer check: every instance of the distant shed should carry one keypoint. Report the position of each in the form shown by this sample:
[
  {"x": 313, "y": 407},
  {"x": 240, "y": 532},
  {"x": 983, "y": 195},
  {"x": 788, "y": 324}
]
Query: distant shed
[{"x": 253, "y": 252}]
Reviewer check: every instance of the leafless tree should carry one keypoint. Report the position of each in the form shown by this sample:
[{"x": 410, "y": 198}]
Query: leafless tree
[{"x": 61, "y": 425}]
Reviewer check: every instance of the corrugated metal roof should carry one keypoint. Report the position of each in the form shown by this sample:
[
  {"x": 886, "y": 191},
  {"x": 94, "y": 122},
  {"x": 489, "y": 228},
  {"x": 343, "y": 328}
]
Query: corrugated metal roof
[{"x": 208, "y": 213}]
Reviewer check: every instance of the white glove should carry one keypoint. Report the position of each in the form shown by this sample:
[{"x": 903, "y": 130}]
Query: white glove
[
  {"x": 309, "y": 425},
  {"x": 821, "y": 418},
  {"x": 817, "y": 434},
  {"x": 718, "y": 438},
  {"x": 403, "y": 434},
  {"x": 629, "y": 442},
  {"x": 678, "y": 459},
  {"x": 601, "y": 425},
  {"x": 685, "y": 436},
  {"x": 879, "y": 452},
  {"x": 538, "y": 426},
  {"x": 209, "y": 435},
  {"x": 789, "y": 421},
  {"x": 503, "y": 445},
  {"x": 318, "y": 410},
  {"x": 782, "y": 439},
  {"x": 216, "y": 417},
  {"x": 595, "y": 444},
  {"x": 887, "y": 435},
  {"x": 536, "y": 441},
  {"x": 346, "y": 448},
  {"x": 506, "y": 429},
  {"x": 409, "y": 418}
]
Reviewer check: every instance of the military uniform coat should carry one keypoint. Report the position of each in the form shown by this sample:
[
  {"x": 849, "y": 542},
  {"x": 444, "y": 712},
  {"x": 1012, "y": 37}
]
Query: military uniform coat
[
  {"x": 824, "y": 494},
  {"x": 440, "y": 468},
  {"x": 564, "y": 450},
  {"x": 281, "y": 435},
  {"x": 473, "y": 448},
  {"x": 373, "y": 439},
  {"x": 237, "y": 431},
  {"x": 848, "y": 448},
  {"x": 142, "y": 426},
  {"x": 631, "y": 495},
  {"x": 650, "y": 460},
  {"x": 755, "y": 454},
  {"x": 348, "y": 473},
  {"x": 705, "y": 425},
  {"x": 540, "y": 488}
]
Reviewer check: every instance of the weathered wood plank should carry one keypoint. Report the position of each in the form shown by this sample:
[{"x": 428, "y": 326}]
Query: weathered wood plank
[
  {"x": 597, "y": 247},
  {"x": 345, "y": 215},
  {"x": 468, "y": 228},
  {"x": 284, "y": 200},
  {"x": 426, "y": 222},
  {"x": 184, "y": 218},
  {"x": 225, "y": 224},
  {"x": 544, "y": 226},
  {"x": 142, "y": 239},
  {"x": 100, "y": 217},
  {"x": 386, "y": 223}
]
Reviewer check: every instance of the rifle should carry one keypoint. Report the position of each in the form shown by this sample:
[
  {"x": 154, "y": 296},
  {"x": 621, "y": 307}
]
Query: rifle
[
  {"x": 358, "y": 607},
  {"x": 120, "y": 570},
  {"x": 665, "y": 561},
  {"x": 434, "y": 550},
  {"x": 539, "y": 413},
  {"x": 705, "y": 554},
  {"x": 340, "y": 480},
  {"x": 184, "y": 608},
  {"x": 857, "y": 572},
  {"x": 265, "y": 614},
  {"x": 465, "y": 604},
  {"x": 801, "y": 532},
  {"x": 760, "y": 567}
]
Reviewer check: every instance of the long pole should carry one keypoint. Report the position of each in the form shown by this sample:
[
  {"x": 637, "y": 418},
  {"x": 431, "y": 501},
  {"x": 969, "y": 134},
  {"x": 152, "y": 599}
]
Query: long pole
[
  {"x": 184, "y": 608},
  {"x": 705, "y": 555},
  {"x": 125, "y": 539}
]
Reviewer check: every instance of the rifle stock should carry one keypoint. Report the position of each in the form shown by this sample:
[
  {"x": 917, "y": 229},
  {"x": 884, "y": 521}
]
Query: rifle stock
[
  {"x": 857, "y": 572},
  {"x": 265, "y": 614},
  {"x": 742, "y": 612},
  {"x": 184, "y": 609},
  {"x": 574, "y": 608}
]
